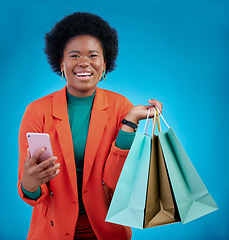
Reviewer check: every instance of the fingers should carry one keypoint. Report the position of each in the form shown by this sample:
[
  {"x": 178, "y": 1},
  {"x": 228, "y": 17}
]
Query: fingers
[
  {"x": 33, "y": 160},
  {"x": 50, "y": 176},
  {"x": 34, "y": 174},
  {"x": 47, "y": 163},
  {"x": 152, "y": 110},
  {"x": 48, "y": 168},
  {"x": 28, "y": 156},
  {"x": 50, "y": 171},
  {"x": 156, "y": 103}
]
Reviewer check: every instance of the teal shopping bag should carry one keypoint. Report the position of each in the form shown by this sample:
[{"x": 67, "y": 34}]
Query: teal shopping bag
[
  {"x": 191, "y": 195},
  {"x": 128, "y": 202}
]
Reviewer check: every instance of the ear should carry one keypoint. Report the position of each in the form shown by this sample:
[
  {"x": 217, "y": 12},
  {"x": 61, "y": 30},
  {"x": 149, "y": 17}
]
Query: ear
[
  {"x": 104, "y": 64},
  {"x": 61, "y": 64}
]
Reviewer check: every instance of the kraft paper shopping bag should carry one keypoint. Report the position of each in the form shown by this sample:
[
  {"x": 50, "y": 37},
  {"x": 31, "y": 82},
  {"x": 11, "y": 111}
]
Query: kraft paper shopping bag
[
  {"x": 160, "y": 203},
  {"x": 161, "y": 207}
]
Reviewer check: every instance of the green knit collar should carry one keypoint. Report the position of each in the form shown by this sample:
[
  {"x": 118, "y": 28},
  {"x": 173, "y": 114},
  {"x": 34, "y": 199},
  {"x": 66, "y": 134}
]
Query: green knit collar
[{"x": 80, "y": 101}]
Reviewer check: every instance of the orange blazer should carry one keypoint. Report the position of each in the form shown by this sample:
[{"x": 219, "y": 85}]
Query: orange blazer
[{"x": 55, "y": 213}]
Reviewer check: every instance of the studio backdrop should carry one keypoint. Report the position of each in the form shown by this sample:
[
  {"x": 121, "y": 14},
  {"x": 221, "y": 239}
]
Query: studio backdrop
[{"x": 173, "y": 51}]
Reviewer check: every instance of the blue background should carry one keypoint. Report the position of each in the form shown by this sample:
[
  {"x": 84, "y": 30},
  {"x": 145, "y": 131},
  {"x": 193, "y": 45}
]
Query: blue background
[{"x": 174, "y": 51}]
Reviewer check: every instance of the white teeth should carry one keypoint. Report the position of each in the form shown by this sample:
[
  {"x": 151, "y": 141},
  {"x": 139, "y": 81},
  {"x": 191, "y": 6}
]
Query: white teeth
[{"x": 83, "y": 74}]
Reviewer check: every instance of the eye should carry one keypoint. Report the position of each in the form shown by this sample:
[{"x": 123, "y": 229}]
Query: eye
[
  {"x": 75, "y": 56},
  {"x": 93, "y": 55}
]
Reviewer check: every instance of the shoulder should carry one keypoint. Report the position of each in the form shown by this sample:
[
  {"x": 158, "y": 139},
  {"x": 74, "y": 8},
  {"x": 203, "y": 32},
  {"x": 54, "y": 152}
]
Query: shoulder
[
  {"x": 113, "y": 96},
  {"x": 115, "y": 101},
  {"x": 45, "y": 103}
]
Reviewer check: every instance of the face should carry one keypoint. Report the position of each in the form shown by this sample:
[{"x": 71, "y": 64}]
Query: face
[{"x": 83, "y": 64}]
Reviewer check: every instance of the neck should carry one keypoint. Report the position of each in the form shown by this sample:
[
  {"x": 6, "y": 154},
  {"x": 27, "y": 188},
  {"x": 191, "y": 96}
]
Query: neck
[{"x": 77, "y": 93}]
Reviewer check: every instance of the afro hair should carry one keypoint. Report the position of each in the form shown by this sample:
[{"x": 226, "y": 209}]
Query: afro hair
[{"x": 76, "y": 24}]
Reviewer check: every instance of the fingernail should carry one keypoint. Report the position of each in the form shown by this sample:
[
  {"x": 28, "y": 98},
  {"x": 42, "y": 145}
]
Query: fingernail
[
  {"x": 57, "y": 171},
  {"x": 55, "y": 158},
  {"x": 43, "y": 149}
]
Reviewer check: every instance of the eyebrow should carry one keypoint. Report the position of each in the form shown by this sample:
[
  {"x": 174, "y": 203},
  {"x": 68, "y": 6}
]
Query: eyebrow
[{"x": 75, "y": 51}]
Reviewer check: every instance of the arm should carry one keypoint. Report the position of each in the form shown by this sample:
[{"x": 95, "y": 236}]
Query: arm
[
  {"x": 31, "y": 174},
  {"x": 124, "y": 139},
  {"x": 118, "y": 156}
]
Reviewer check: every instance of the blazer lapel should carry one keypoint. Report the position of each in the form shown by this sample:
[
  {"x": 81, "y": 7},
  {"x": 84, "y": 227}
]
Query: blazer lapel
[
  {"x": 64, "y": 134},
  {"x": 98, "y": 123}
]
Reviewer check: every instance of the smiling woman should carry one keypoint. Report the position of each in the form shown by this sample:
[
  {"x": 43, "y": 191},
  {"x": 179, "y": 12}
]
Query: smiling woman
[
  {"x": 89, "y": 140},
  {"x": 83, "y": 64}
]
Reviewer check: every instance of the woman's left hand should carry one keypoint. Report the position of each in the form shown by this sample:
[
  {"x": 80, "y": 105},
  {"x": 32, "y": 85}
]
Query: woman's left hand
[{"x": 140, "y": 112}]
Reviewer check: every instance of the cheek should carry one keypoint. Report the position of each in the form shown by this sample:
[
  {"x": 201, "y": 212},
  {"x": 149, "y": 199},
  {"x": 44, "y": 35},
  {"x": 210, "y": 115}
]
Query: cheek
[
  {"x": 68, "y": 65},
  {"x": 68, "y": 71},
  {"x": 99, "y": 64}
]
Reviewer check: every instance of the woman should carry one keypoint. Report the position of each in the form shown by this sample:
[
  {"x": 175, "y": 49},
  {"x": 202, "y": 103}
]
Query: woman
[{"x": 89, "y": 142}]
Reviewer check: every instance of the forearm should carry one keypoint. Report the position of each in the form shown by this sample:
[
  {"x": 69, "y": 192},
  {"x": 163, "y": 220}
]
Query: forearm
[
  {"x": 31, "y": 122},
  {"x": 124, "y": 139}
]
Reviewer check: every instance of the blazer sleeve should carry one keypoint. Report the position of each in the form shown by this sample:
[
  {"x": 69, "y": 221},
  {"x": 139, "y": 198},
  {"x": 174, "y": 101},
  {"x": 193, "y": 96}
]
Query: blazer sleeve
[
  {"x": 31, "y": 122},
  {"x": 117, "y": 156}
]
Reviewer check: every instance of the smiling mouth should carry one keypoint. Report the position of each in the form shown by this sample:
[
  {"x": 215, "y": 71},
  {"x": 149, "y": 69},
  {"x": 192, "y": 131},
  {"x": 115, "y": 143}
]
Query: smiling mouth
[{"x": 84, "y": 74}]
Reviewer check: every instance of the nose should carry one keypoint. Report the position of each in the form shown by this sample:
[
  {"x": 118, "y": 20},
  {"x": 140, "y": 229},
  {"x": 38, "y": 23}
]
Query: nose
[{"x": 84, "y": 62}]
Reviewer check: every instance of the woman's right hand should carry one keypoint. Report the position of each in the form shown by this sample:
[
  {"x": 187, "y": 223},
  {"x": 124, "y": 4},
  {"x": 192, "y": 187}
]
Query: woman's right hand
[{"x": 35, "y": 174}]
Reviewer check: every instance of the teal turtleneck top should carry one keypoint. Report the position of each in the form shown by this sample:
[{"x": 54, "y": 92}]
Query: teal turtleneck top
[{"x": 79, "y": 114}]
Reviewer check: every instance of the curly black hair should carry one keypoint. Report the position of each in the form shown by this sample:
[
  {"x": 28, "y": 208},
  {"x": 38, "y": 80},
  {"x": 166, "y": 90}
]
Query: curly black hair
[{"x": 76, "y": 24}]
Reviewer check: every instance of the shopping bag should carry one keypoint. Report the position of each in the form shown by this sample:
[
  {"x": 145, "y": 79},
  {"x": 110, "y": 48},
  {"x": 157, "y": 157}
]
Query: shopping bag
[
  {"x": 191, "y": 195},
  {"x": 143, "y": 199},
  {"x": 128, "y": 202},
  {"x": 160, "y": 207}
]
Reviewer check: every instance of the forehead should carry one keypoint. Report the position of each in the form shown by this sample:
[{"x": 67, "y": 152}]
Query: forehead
[{"x": 84, "y": 42}]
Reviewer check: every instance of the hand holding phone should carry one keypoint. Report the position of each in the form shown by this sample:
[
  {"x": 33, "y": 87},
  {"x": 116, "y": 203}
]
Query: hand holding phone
[
  {"x": 39, "y": 166},
  {"x": 36, "y": 141}
]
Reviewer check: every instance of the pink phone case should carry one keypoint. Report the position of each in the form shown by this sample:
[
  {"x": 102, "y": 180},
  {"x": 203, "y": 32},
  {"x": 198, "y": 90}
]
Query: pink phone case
[{"x": 37, "y": 141}]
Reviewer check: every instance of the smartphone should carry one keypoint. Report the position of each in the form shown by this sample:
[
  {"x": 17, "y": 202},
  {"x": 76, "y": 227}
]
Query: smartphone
[{"x": 37, "y": 141}]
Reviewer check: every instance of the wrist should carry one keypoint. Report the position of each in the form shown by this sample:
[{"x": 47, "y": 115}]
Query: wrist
[
  {"x": 29, "y": 188},
  {"x": 129, "y": 125},
  {"x": 126, "y": 128},
  {"x": 132, "y": 118}
]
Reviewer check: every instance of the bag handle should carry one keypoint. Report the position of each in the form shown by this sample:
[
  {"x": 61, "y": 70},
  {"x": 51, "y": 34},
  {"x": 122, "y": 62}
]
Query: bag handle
[
  {"x": 146, "y": 128},
  {"x": 157, "y": 116},
  {"x": 162, "y": 117},
  {"x": 156, "y": 120}
]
